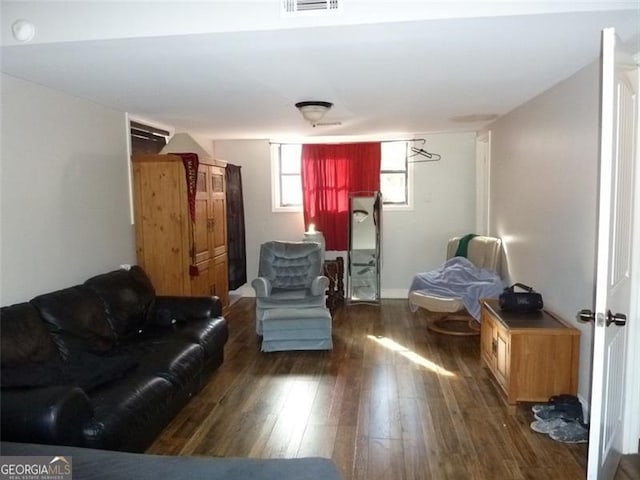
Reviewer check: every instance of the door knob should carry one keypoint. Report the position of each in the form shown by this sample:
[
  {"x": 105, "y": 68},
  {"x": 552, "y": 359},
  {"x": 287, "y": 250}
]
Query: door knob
[
  {"x": 618, "y": 318},
  {"x": 586, "y": 315}
]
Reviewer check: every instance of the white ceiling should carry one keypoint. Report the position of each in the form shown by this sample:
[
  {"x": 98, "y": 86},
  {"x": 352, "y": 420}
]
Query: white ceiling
[{"x": 235, "y": 69}]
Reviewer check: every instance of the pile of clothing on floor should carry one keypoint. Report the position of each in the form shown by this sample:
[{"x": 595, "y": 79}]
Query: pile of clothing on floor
[{"x": 562, "y": 419}]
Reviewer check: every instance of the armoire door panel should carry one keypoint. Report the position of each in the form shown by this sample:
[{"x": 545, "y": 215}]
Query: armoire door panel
[
  {"x": 201, "y": 283},
  {"x": 217, "y": 180},
  {"x": 160, "y": 236},
  {"x": 220, "y": 278},
  {"x": 201, "y": 230},
  {"x": 219, "y": 230}
]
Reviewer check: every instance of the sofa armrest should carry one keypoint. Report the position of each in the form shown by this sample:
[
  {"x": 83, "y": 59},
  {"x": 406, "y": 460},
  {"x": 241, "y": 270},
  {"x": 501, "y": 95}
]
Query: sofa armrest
[
  {"x": 169, "y": 310},
  {"x": 319, "y": 285},
  {"x": 262, "y": 286},
  {"x": 53, "y": 415}
]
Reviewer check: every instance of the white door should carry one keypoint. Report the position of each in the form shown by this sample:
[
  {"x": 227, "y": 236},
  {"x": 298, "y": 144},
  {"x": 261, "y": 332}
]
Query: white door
[{"x": 613, "y": 276}]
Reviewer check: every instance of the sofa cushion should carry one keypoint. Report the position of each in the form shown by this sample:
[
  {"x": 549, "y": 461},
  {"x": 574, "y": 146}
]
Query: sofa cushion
[
  {"x": 77, "y": 320},
  {"x": 179, "y": 362},
  {"x": 81, "y": 370},
  {"x": 211, "y": 334},
  {"x": 129, "y": 413},
  {"x": 25, "y": 338},
  {"x": 128, "y": 295}
]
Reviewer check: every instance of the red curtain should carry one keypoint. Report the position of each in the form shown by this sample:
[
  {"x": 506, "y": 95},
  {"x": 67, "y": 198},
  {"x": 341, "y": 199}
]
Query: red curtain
[{"x": 329, "y": 174}]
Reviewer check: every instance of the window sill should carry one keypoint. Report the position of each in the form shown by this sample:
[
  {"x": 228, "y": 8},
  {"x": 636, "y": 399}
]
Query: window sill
[
  {"x": 397, "y": 208},
  {"x": 286, "y": 209}
]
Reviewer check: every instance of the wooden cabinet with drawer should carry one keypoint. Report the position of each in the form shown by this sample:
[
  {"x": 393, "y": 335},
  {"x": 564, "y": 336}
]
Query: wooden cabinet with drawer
[{"x": 531, "y": 355}]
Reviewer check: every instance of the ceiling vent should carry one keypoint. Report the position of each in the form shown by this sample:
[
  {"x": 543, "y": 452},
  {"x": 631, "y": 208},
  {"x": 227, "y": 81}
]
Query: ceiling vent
[{"x": 301, "y": 7}]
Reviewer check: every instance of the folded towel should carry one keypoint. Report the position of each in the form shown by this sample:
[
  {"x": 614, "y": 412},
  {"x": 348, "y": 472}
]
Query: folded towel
[{"x": 463, "y": 245}]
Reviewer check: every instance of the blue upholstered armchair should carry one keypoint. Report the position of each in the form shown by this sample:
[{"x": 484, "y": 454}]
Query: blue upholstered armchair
[{"x": 289, "y": 277}]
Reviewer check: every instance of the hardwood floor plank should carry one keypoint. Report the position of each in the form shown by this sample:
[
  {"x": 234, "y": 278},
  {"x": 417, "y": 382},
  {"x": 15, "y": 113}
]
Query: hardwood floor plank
[
  {"x": 629, "y": 468},
  {"x": 344, "y": 450},
  {"x": 390, "y": 401},
  {"x": 318, "y": 441}
]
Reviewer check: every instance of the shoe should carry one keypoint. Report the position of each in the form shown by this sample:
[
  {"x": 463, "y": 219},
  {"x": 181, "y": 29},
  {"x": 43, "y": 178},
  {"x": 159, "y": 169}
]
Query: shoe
[
  {"x": 547, "y": 426},
  {"x": 541, "y": 407},
  {"x": 565, "y": 412},
  {"x": 562, "y": 399},
  {"x": 570, "y": 432}
]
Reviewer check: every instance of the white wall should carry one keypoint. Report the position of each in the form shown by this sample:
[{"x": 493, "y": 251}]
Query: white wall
[
  {"x": 544, "y": 163},
  {"x": 65, "y": 201},
  {"x": 412, "y": 241},
  {"x": 444, "y": 206}
]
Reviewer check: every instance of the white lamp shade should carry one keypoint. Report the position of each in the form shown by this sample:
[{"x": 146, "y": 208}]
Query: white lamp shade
[
  {"x": 185, "y": 143},
  {"x": 316, "y": 237}
]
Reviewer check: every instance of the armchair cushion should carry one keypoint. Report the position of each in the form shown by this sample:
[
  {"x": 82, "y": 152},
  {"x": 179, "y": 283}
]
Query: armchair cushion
[{"x": 290, "y": 264}]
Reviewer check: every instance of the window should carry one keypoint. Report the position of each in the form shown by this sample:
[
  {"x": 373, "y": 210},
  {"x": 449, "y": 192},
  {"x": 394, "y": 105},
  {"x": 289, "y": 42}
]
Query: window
[
  {"x": 145, "y": 139},
  {"x": 290, "y": 179},
  {"x": 394, "y": 178},
  {"x": 287, "y": 180},
  {"x": 286, "y": 177}
]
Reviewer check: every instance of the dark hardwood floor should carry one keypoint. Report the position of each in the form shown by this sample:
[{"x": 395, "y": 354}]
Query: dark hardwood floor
[
  {"x": 629, "y": 468},
  {"x": 391, "y": 401}
]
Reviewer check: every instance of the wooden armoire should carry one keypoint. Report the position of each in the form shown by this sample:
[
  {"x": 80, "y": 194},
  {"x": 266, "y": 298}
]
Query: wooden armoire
[{"x": 183, "y": 255}]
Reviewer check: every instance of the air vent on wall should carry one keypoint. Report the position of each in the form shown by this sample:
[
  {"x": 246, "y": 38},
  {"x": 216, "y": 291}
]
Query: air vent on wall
[{"x": 299, "y": 7}]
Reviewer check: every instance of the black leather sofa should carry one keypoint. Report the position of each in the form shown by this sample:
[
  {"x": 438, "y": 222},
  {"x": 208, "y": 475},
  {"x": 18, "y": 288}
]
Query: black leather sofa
[{"x": 106, "y": 364}]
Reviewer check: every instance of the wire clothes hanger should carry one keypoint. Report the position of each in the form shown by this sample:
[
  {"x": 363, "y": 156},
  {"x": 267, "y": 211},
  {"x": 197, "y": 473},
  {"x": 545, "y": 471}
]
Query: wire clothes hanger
[
  {"x": 415, "y": 151},
  {"x": 421, "y": 152}
]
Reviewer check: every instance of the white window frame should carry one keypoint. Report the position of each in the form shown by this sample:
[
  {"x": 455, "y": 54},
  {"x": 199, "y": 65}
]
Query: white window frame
[
  {"x": 409, "y": 186},
  {"x": 276, "y": 185}
]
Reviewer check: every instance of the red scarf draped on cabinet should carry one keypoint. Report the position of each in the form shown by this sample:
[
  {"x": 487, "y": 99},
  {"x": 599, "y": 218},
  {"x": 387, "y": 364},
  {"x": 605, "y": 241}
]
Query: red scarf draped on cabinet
[
  {"x": 191, "y": 163},
  {"x": 329, "y": 174}
]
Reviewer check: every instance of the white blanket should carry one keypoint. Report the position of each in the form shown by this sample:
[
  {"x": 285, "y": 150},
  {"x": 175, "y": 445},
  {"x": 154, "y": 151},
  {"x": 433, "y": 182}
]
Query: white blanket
[{"x": 458, "y": 277}]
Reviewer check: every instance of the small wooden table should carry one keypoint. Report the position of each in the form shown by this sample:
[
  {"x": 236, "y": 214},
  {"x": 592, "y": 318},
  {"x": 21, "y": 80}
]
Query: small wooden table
[{"x": 531, "y": 355}]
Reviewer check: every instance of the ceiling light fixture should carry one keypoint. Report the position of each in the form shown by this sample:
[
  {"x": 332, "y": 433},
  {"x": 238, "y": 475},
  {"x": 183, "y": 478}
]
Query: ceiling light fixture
[
  {"x": 313, "y": 111},
  {"x": 23, "y": 30}
]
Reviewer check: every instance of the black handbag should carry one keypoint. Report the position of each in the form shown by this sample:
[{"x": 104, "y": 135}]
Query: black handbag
[{"x": 527, "y": 301}]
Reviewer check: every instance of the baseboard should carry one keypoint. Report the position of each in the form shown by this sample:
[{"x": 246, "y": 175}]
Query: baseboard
[
  {"x": 398, "y": 293},
  {"x": 395, "y": 293},
  {"x": 245, "y": 290}
]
